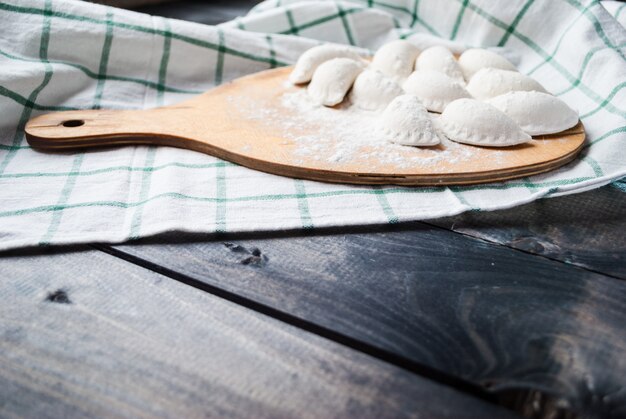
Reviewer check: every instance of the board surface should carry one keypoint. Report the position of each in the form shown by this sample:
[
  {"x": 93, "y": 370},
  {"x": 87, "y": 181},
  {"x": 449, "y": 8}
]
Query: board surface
[{"x": 249, "y": 122}]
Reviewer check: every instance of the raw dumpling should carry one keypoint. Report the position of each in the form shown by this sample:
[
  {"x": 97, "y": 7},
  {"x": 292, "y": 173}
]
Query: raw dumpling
[
  {"x": 470, "y": 121},
  {"x": 312, "y": 58},
  {"x": 475, "y": 59},
  {"x": 372, "y": 90},
  {"x": 439, "y": 59},
  {"x": 434, "y": 89},
  {"x": 492, "y": 82},
  {"x": 535, "y": 112},
  {"x": 332, "y": 80},
  {"x": 396, "y": 59},
  {"x": 406, "y": 121}
]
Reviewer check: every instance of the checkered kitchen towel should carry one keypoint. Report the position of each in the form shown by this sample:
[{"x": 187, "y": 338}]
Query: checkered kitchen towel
[
  {"x": 65, "y": 54},
  {"x": 617, "y": 9}
]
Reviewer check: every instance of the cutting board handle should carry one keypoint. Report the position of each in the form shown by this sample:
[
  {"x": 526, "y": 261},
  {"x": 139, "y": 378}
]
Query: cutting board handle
[{"x": 99, "y": 128}]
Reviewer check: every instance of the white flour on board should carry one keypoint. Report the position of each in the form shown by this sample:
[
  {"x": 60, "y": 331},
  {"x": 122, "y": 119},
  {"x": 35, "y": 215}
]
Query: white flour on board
[{"x": 347, "y": 134}]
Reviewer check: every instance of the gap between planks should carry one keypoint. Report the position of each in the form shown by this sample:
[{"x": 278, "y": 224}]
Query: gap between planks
[
  {"x": 325, "y": 332},
  {"x": 496, "y": 243},
  {"x": 417, "y": 368}
]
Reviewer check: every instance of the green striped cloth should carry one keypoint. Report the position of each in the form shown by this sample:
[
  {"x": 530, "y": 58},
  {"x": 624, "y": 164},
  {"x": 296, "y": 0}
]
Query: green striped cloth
[{"x": 64, "y": 54}]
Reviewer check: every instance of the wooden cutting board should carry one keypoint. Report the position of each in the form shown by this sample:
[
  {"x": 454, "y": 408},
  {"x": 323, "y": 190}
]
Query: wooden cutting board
[{"x": 233, "y": 122}]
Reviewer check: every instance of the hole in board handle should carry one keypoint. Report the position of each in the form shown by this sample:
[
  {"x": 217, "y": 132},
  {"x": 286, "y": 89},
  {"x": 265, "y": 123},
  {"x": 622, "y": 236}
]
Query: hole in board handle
[{"x": 73, "y": 123}]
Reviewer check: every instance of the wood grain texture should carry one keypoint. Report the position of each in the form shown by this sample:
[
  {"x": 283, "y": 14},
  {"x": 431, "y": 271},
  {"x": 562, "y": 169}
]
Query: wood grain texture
[
  {"x": 127, "y": 4},
  {"x": 201, "y": 11},
  {"x": 585, "y": 230},
  {"x": 225, "y": 122},
  {"x": 116, "y": 340},
  {"x": 501, "y": 318}
]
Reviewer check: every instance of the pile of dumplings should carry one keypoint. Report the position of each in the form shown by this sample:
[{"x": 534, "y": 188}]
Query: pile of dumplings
[{"x": 482, "y": 98}]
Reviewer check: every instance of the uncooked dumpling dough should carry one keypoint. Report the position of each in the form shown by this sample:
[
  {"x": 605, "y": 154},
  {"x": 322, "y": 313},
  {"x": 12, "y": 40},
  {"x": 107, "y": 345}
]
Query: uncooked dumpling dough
[
  {"x": 314, "y": 57},
  {"x": 439, "y": 59},
  {"x": 373, "y": 90},
  {"x": 492, "y": 82},
  {"x": 535, "y": 112},
  {"x": 332, "y": 80},
  {"x": 434, "y": 89},
  {"x": 475, "y": 59},
  {"x": 396, "y": 59},
  {"x": 406, "y": 121},
  {"x": 470, "y": 121}
]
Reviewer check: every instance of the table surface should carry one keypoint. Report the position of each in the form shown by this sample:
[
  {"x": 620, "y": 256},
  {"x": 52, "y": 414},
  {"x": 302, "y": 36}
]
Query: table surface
[{"x": 485, "y": 314}]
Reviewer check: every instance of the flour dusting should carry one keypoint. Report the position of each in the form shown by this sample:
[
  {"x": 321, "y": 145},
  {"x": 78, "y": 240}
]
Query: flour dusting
[{"x": 346, "y": 134}]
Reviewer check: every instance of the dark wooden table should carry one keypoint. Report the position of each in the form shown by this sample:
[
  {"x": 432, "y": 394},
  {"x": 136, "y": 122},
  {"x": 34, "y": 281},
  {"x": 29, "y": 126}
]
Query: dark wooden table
[{"x": 495, "y": 314}]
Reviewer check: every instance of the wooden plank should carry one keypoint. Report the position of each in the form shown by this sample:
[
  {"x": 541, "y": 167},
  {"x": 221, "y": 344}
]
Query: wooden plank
[
  {"x": 128, "y": 4},
  {"x": 585, "y": 230},
  {"x": 84, "y": 334},
  {"x": 505, "y": 320},
  {"x": 210, "y": 13}
]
